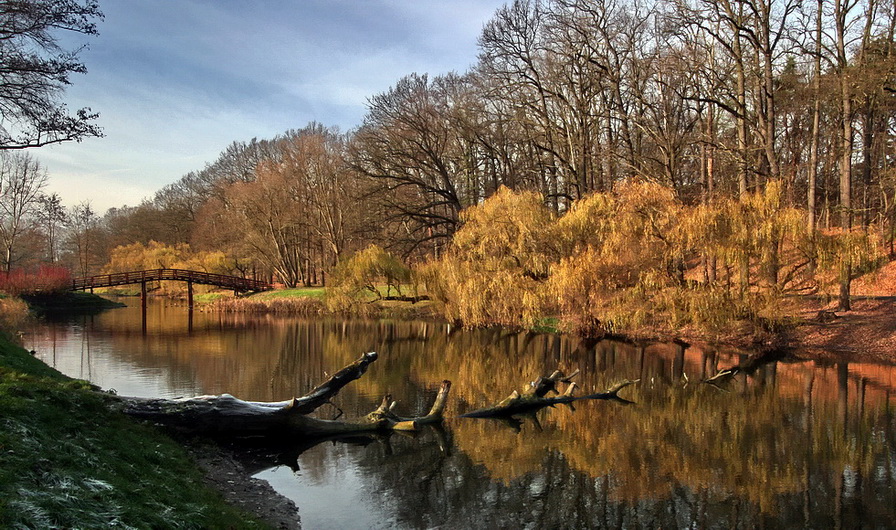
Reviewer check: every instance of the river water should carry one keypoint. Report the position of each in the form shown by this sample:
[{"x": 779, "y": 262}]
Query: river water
[{"x": 791, "y": 444}]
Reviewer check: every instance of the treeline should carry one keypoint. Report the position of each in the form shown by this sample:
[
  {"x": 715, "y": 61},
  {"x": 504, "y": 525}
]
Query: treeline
[{"x": 713, "y": 100}]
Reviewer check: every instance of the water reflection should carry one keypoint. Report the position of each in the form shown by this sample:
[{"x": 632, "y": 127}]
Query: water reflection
[{"x": 786, "y": 443}]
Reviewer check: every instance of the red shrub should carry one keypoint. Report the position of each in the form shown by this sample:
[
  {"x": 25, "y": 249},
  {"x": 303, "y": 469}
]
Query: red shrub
[{"x": 47, "y": 279}]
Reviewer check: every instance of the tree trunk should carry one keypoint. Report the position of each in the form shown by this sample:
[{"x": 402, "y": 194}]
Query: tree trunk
[{"x": 226, "y": 415}]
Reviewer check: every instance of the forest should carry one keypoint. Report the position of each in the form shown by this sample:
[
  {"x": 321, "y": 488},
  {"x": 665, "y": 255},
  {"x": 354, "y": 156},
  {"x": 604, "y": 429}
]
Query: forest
[{"x": 621, "y": 164}]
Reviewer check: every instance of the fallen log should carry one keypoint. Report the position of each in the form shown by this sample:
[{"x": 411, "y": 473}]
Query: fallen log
[
  {"x": 748, "y": 366},
  {"x": 535, "y": 397},
  {"x": 225, "y": 415}
]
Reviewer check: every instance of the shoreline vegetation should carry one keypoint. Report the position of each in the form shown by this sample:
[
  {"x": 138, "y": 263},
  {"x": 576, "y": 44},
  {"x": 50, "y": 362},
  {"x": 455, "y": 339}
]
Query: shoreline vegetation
[
  {"x": 814, "y": 328},
  {"x": 69, "y": 460},
  {"x": 634, "y": 262},
  {"x": 129, "y": 480}
]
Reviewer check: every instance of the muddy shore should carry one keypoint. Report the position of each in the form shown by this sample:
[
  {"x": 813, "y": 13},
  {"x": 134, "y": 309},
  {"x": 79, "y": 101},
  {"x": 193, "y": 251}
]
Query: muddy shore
[{"x": 225, "y": 473}]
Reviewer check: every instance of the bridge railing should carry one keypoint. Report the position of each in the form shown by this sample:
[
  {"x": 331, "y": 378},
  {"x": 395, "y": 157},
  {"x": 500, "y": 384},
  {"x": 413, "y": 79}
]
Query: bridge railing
[{"x": 205, "y": 278}]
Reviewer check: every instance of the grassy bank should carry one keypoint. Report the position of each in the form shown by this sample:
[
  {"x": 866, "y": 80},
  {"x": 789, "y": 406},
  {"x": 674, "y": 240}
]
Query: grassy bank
[
  {"x": 69, "y": 301},
  {"x": 312, "y": 301},
  {"x": 68, "y": 461}
]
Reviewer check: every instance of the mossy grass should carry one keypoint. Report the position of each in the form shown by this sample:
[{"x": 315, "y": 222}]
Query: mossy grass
[
  {"x": 69, "y": 460},
  {"x": 207, "y": 298}
]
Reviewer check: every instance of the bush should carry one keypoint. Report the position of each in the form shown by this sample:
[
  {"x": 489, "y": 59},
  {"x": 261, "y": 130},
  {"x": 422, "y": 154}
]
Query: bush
[
  {"x": 13, "y": 313},
  {"x": 358, "y": 278},
  {"x": 47, "y": 279}
]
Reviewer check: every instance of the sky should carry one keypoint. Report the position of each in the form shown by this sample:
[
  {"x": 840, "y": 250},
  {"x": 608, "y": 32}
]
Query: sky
[{"x": 177, "y": 81}]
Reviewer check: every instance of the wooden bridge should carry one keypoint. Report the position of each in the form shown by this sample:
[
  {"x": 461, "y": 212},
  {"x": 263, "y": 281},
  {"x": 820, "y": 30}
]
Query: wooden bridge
[{"x": 204, "y": 278}]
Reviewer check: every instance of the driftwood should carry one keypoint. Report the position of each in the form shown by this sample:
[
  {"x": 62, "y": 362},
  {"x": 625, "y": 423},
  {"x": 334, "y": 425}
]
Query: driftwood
[
  {"x": 747, "y": 366},
  {"x": 226, "y": 415},
  {"x": 535, "y": 397}
]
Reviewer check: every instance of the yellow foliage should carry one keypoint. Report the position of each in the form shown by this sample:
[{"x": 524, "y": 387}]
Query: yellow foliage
[
  {"x": 617, "y": 246},
  {"x": 617, "y": 261},
  {"x": 494, "y": 271},
  {"x": 153, "y": 255},
  {"x": 212, "y": 262},
  {"x": 851, "y": 253},
  {"x": 362, "y": 274},
  {"x": 508, "y": 231},
  {"x": 13, "y": 314}
]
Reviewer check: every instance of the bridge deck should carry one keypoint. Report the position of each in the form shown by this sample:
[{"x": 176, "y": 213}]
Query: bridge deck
[{"x": 126, "y": 278}]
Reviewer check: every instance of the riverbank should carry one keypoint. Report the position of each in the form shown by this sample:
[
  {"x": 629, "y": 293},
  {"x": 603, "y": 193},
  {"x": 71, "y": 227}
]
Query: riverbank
[
  {"x": 866, "y": 332},
  {"x": 311, "y": 301},
  {"x": 815, "y": 329},
  {"x": 69, "y": 302},
  {"x": 67, "y": 460}
]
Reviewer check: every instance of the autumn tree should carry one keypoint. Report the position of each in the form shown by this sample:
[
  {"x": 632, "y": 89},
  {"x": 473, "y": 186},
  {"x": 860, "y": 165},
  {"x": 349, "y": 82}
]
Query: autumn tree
[
  {"x": 617, "y": 246},
  {"x": 299, "y": 214},
  {"x": 362, "y": 277},
  {"x": 329, "y": 190},
  {"x": 268, "y": 217},
  {"x": 494, "y": 271}
]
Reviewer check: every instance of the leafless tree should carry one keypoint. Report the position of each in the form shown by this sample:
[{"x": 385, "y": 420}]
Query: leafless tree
[
  {"x": 35, "y": 69},
  {"x": 22, "y": 180}
]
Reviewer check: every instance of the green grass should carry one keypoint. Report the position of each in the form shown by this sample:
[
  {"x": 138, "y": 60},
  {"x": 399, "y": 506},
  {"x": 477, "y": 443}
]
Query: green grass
[
  {"x": 206, "y": 298},
  {"x": 299, "y": 292},
  {"x": 547, "y": 325},
  {"x": 67, "y": 460}
]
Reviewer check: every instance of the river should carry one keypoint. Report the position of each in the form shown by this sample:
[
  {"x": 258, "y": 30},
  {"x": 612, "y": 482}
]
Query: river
[{"x": 795, "y": 443}]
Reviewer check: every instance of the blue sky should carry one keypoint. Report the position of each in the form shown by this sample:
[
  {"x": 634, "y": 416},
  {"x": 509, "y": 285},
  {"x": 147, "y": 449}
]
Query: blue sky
[{"x": 175, "y": 82}]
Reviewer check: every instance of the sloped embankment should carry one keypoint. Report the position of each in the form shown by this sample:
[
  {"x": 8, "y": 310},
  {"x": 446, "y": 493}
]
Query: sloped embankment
[{"x": 68, "y": 461}]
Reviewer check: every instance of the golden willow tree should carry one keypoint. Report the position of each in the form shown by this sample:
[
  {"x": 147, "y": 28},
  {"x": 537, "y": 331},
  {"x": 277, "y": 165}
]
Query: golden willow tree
[
  {"x": 359, "y": 278},
  {"x": 618, "y": 248},
  {"x": 635, "y": 260},
  {"x": 497, "y": 263}
]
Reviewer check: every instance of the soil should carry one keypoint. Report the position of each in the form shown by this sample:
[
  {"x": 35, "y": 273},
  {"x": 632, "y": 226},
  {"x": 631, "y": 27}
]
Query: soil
[
  {"x": 865, "y": 333},
  {"x": 225, "y": 473}
]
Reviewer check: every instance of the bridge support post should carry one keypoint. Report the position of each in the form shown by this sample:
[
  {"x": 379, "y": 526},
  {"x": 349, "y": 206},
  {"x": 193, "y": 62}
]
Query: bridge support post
[
  {"x": 143, "y": 304},
  {"x": 190, "y": 294}
]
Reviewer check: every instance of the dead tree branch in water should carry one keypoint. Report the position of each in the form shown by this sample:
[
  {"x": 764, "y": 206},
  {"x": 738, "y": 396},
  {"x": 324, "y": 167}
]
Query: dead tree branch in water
[
  {"x": 535, "y": 397},
  {"x": 225, "y": 415}
]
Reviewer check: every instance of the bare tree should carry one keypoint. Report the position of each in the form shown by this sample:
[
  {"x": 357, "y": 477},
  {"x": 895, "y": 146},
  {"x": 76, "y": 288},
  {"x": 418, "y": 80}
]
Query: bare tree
[
  {"x": 52, "y": 216},
  {"x": 410, "y": 149},
  {"x": 22, "y": 180},
  {"x": 35, "y": 69},
  {"x": 83, "y": 227}
]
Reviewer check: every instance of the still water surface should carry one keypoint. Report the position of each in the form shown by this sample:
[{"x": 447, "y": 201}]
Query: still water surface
[{"x": 794, "y": 444}]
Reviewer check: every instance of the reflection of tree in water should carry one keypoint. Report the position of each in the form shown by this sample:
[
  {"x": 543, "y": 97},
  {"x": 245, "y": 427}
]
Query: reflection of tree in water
[
  {"x": 483, "y": 474},
  {"x": 427, "y": 483},
  {"x": 745, "y": 453},
  {"x": 787, "y": 444}
]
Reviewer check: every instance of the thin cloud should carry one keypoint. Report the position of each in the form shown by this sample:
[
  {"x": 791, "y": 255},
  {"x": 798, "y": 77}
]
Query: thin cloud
[{"x": 176, "y": 82}]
